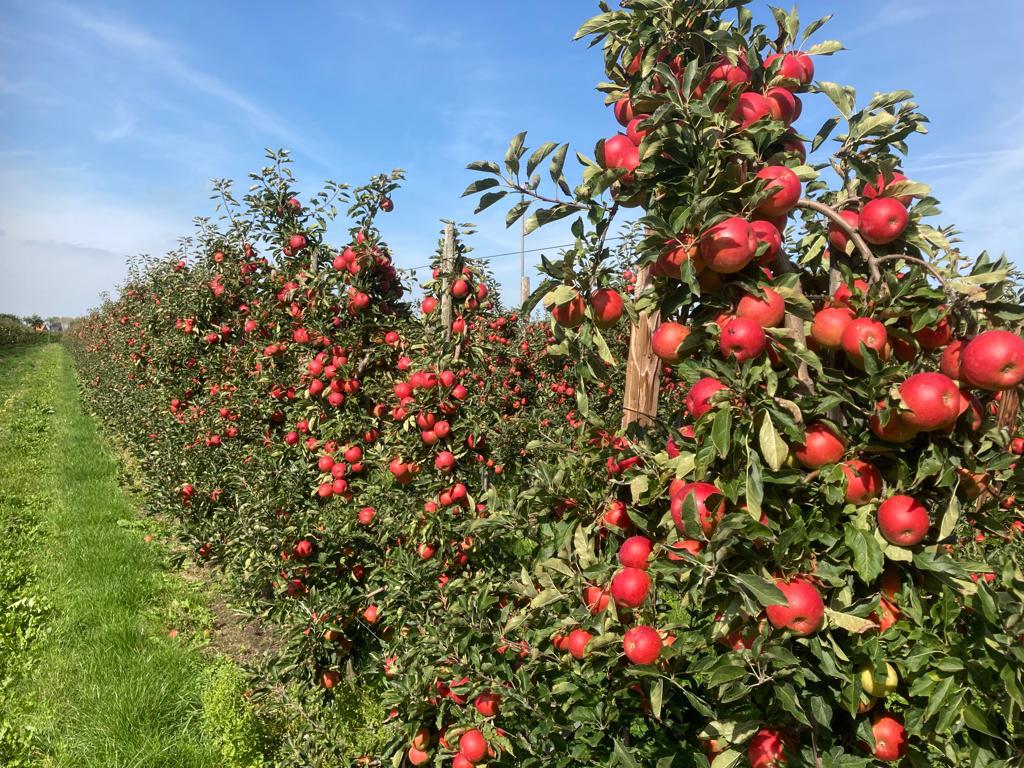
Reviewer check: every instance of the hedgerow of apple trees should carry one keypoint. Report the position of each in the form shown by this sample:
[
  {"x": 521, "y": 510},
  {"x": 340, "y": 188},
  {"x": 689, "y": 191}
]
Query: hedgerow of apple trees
[
  {"x": 328, "y": 449},
  {"x": 796, "y": 548}
]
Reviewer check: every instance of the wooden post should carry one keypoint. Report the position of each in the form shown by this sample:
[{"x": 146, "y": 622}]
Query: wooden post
[
  {"x": 1009, "y": 406},
  {"x": 447, "y": 265},
  {"x": 640, "y": 403}
]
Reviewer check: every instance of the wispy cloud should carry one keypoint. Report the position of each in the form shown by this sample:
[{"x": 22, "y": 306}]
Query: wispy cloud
[
  {"x": 123, "y": 125},
  {"x": 474, "y": 133},
  {"x": 439, "y": 39},
  {"x": 892, "y": 14},
  {"x": 943, "y": 161},
  {"x": 159, "y": 54}
]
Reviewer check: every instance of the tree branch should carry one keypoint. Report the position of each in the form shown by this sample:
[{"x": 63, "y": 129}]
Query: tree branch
[
  {"x": 794, "y": 323},
  {"x": 544, "y": 198},
  {"x": 914, "y": 260},
  {"x": 862, "y": 247}
]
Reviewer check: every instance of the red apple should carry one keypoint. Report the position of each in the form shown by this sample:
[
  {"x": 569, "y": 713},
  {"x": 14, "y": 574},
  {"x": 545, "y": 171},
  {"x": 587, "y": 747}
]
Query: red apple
[
  {"x": 728, "y": 246},
  {"x": 742, "y": 339},
  {"x": 767, "y": 311},
  {"x": 863, "y": 330},
  {"x": 805, "y": 612},
  {"x": 934, "y": 336},
  {"x": 473, "y": 746},
  {"x": 571, "y": 314},
  {"x": 607, "y": 306},
  {"x": 767, "y": 749},
  {"x": 994, "y": 360},
  {"x": 883, "y": 220},
  {"x": 872, "y": 191},
  {"x": 698, "y": 398},
  {"x": 635, "y": 552},
  {"x": 633, "y": 130},
  {"x": 620, "y": 152},
  {"x": 890, "y": 738},
  {"x": 821, "y": 446},
  {"x": 670, "y": 261},
  {"x": 794, "y": 66},
  {"x": 701, "y": 492},
  {"x": 786, "y": 188},
  {"x": 837, "y": 237},
  {"x": 828, "y": 325},
  {"x": 896, "y": 430},
  {"x": 629, "y": 587},
  {"x": 417, "y": 756},
  {"x": 932, "y": 401},
  {"x": 487, "y": 704},
  {"x": 596, "y": 599},
  {"x": 902, "y": 520},
  {"x": 667, "y": 339},
  {"x": 783, "y": 104},
  {"x": 623, "y": 111},
  {"x": 750, "y": 108},
  {"x": 577, "y": 641},
  {"x": 642, "y": 645},
  {"x": 766, "y": 232},
  {"x": 863, "y": 481}
]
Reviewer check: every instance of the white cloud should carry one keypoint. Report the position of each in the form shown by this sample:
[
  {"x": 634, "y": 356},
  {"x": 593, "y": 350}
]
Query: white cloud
[
  {"x": 157, "y": 53},
  {"x": 891, "y": 14},
  {"x": 123, "y": 126}
]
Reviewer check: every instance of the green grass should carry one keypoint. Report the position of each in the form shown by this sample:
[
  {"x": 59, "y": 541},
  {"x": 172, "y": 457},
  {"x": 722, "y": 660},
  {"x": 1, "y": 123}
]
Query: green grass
[{"x": 88, "y": 675}]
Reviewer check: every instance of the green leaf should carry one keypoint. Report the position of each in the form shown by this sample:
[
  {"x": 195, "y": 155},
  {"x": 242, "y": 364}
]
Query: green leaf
[
  {"x": 558, "y": 163},
  {"x": 488, "y": 199},
  {"x": 814, "y": 26},
  {"x": 773, "y": 447},
  {"x": 516, "y": 212},
  {"x": 977, "y": 720},
  {"x": 824, "y": 132},
  {"x": 596, "y": 25},
  {"x": 622, "y": 755},
  {"x": 546, "y": 597},
  {"x": 602, "y": 349},
  {"x": 755, "y": 486},
  {"x": 849, "y": 622},
  {"x": 721, "y": 432},
  {"x": 905, "y": 188},
  {"x": 657, "y": 696},
  {"x": 638, "y": 487},
  {"x": 825, "y": 48},
  {"x": 480, "y": 185},
  {"x": 727, "y": 759},
  {"x": 544, "y": 216},
  {"x": 538, "y": 156},
  {"x": 867, "y": 555},
  {"x": 938, "y": 697},
  {"x": 514, "y": 152},
  {"x": 950, "y": 518},
  {"x": 840, "y": 96},
  {"x": 485, "y": 166},
  {"x": 764, "y": 591}
]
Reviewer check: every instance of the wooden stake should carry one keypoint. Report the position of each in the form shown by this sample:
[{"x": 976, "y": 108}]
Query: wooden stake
[
  {"x": 447, "y": 265},
  {"x": 640, "y": 404}
]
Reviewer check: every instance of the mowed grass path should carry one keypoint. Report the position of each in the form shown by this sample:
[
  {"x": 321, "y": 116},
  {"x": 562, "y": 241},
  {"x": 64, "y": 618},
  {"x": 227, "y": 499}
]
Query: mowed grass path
[{"x": 91, "y": 678}]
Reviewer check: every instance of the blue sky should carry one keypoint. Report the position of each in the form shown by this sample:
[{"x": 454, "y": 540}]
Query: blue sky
[{"x": 115, "y": 115}]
